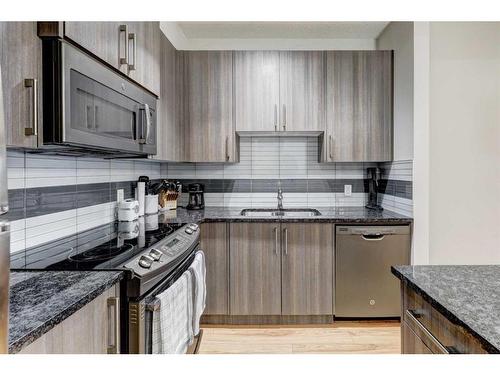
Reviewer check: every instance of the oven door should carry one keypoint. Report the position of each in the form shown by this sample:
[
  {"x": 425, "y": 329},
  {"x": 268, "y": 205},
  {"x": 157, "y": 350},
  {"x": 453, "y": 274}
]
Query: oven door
[
  {"x": 140, "y": 311},
  {"x": 102, "y": 109}
]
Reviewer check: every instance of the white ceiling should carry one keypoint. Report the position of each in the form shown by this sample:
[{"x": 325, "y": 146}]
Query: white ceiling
[
  {"x": 273, "y": 35},
  {"x": 281, "y": 30}
]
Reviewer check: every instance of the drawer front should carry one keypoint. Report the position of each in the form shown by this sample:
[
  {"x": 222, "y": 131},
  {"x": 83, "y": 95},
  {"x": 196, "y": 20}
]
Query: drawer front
[
  {"x": 411, "y": 343},
  {"x": 437, "y": 332}
]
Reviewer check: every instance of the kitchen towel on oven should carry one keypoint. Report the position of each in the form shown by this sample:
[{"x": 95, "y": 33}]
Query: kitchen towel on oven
[
  {"x": 173, "y": 321},
  {"x": 198, "y": 271}
]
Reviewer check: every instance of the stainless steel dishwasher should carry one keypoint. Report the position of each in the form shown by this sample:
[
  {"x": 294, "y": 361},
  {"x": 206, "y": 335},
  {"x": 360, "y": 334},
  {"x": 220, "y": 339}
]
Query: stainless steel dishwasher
[{"x": 364, "y": 285}]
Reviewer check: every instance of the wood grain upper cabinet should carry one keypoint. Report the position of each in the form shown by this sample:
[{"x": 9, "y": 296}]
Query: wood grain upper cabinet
[
  {"x": 144, "y": 54},
  {"x": 359, "y": 106},
  {"x": 255, "y": 264},
  {"x": 213, "y": 242},
  {"x": 302, "y": 91},
  {"x": 106, "y": 40},
  {"x": 256, "y": 90},
  {"x": 170, "y": 133},
  {"x": 207, "y": 110},
  {"x": 307, "y": 269},
  {"x": 21, "y": 65}
]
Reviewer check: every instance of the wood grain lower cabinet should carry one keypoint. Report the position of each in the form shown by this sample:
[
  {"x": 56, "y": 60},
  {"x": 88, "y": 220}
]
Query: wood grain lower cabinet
[
  {"x": 411, "y": 343},
  {"x": 255, "y": 269},
  {"x": 94, "y": 329},
  {"x": 213, "y": 242},
  {"x": 307, "y": 269},
  {"x": 21, "y": 66}
]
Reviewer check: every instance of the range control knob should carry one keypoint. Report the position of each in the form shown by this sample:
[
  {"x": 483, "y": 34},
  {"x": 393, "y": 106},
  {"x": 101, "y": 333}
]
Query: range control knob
[
  {"x": 155, "y": 254},
  {"x": 146, "y": 261},
  {"x": 189, "y": 230},
  {"x": 193, "y": 226}
]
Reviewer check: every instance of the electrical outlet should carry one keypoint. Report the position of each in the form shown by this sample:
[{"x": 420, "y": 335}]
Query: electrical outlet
[
  {"x": 119, "y": 195},
  {"x": 347, "y": 190}
]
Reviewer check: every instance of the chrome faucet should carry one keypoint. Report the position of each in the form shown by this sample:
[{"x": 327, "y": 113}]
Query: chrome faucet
[{"x": 280, "y": 199}]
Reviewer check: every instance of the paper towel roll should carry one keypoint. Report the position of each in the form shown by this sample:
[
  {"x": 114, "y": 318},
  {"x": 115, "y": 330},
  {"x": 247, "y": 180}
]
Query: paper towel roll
[{"x": 140, "y": 196}]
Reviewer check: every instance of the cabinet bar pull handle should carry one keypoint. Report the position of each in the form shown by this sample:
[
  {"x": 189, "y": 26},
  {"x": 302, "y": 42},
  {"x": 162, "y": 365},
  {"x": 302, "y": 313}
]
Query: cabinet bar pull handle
[
  {"x": 33, "y": 83},
  {"x": 275, "y": 117},
  {"x": 413, "y": 317},
  {"x": 330, "y": 141},
  {"x": 276, "y": 240},
  {"x": 133, "y": 37},
  {"x": 285, "y": 231},
  {"x": 284, "y": 117},
  {"x": 227, "y": 149},
  {"x": 114, "y": 324},
  {"x": 124, "y": 30}
]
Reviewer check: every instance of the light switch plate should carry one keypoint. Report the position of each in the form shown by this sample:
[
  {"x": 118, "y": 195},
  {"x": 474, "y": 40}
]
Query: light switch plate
[
  {"x": 347, "y": 190},
  {"x": 119, "y": 195}
]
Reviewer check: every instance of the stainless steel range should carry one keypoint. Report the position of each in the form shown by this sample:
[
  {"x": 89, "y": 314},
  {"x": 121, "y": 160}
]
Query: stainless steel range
[{"x": 152, "y": 259}]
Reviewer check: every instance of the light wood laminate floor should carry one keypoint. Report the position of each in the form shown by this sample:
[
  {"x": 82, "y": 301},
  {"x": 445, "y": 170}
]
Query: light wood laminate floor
[{"x": 336, "y": 338}]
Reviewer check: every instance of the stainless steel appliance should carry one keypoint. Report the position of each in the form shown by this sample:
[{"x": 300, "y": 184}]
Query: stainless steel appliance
[
  {"x": 152, "y": 259},
  {"x": 364, "y": 285},
  {"x": 4, "y": 236},
  {"x": 196, "y": 197},
  {"x": 88, "y": 106}
]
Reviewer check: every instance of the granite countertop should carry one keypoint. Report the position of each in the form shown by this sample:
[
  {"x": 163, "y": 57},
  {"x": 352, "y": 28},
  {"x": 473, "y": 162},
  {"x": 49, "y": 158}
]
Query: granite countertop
[
  {"x": 41, "y": 300},
  {"x": 339, "y": 215},
  {"x": 467, "y": 295}
]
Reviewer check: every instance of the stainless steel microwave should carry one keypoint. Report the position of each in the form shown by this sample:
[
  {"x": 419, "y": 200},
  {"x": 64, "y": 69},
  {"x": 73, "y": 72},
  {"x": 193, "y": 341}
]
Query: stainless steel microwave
[{"x": 88, "y": 107}]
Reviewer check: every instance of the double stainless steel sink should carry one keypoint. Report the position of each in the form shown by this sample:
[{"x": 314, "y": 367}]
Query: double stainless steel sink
[{"x": 285, "y": 212}]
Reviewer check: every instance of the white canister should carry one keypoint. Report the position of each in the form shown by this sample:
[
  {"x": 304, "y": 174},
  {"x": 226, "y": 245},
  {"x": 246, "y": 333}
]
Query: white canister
[
  {"x": 151, "y": 222},
  {"x": 140, "y": 192},
  {"x": 151, "y": 206},
  {"x": 128, "y": 210}
]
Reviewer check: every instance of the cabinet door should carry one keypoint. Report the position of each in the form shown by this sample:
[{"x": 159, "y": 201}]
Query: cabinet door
[
  {"x": 170, "y": 132},
  {"x": 302, "y": 90},
  {"x": 256, "y": 90},
  {"x": 91, "y": 330},
  {"x": 307, "y": 277},
  {"x": 255, "y": 269},
  {"x": 208, "y": 106},
  {"x": 213, "y": 242},
  {"x": 106, "y": 40},
  {"x": 144, "y": 54},
  {"x": 21, "y": 59},
  {"x": 359, "y": 105}
]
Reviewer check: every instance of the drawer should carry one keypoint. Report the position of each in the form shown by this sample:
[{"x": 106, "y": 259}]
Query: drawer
[
  {"x": 436, "y": 331},
  {"x": 411, "y": 343}
]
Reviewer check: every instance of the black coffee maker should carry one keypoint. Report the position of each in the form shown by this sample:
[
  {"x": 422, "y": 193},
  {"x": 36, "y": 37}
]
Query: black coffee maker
[
  {"x": 374, "y": 175},
  {"x": 196, "y": 197}
]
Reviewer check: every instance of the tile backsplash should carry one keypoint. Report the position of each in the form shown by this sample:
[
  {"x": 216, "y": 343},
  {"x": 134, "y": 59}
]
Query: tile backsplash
[{"x": 54, "y": 196}]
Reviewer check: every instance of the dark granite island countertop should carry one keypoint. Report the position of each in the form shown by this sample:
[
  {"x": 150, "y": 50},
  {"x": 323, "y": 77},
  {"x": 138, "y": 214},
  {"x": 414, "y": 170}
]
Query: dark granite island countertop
[
  {"x": 41, "y": 300},
  {"x": 339, "y": 215},
  {"x": 466, "y": 295}
]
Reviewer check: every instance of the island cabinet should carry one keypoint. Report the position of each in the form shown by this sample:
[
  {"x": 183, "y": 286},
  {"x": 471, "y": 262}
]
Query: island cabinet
[
  {"x": 94, "y": 329},
  {"x": 424, "y": 330},
  {"x": 359, "y": 106},
  {"x": 278, "y": 91},
  {"x": 21, "y": 67}
]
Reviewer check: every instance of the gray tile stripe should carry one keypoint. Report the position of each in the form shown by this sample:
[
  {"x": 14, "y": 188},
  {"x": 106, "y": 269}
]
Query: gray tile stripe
[{"x": 26, "y": 203}]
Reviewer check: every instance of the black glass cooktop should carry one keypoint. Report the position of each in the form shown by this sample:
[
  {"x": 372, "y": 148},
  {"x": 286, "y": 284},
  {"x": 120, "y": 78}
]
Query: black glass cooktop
[{"x": 102, "y": 248}]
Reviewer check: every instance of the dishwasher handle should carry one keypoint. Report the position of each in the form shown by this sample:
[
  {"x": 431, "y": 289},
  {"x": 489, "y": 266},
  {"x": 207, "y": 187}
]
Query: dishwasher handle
[{"x": 373, "y": 237}]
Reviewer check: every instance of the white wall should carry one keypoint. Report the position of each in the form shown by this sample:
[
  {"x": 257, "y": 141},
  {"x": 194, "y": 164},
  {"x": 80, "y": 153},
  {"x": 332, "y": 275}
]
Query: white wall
[
  {"x": 398, "y": 36},
  {"x": 464, "y": 143},
  {"x": 457, "y": 144}
]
